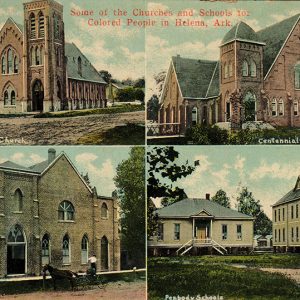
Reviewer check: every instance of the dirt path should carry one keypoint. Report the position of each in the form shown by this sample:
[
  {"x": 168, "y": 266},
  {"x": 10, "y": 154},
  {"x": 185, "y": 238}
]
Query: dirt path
[
  {"x": 58, "y": 131},
  {"x": 112, "y": 291}
]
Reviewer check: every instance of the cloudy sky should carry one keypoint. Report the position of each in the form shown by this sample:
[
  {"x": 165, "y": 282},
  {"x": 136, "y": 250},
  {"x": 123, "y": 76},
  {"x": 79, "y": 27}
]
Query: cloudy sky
[
  {"x": 118, "y": 50},
  {"x": 203, "y": 43},
  {"x": 99, "y": 162},
  {"x": 269, "y": 172}
]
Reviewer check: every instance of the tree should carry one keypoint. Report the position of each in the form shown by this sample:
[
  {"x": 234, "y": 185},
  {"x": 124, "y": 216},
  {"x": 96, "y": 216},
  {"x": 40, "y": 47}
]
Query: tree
[
  {"x": 130, "y": 183},
  {"x": 153, "y": 108},
  {"x": 251, "y": 207},
  {"x": 105, "y": 75},
  {"x": 160, "y": 79},
  {"x": 139, "y": 94},
  {"x": 139, "y": 83},
  {"x": 162, "y": 173},
  {"x": 128, "y": 82},
  {"x": 221, "y": 198}
]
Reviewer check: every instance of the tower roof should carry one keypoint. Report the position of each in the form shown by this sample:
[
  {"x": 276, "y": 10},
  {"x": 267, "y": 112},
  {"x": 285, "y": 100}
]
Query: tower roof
[{"x": 241, "y": 31}]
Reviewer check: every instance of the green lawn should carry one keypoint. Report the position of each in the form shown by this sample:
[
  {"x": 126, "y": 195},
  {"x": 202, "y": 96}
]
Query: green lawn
[
  {"x": 130, "y": 134},
  {"x": 95, "y": 111},
  {"x": 212, "y": 276}
]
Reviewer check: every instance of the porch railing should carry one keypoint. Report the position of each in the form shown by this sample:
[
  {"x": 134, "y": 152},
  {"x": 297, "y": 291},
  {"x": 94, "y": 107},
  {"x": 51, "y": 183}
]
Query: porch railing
[{"x": 163, "y": 129}]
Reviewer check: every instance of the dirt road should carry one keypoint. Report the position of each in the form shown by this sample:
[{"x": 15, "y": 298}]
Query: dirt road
[
  {"x": 60, "y": 131},
  {"x": 112, "y": 291}
]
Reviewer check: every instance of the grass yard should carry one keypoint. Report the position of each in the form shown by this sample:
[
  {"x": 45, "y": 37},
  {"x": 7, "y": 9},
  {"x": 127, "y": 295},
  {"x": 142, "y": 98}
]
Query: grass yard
[
  {"x": 95, "y": 111},
  {"x": 130, "y": 134},
  {"x": 213, "y": 275}
]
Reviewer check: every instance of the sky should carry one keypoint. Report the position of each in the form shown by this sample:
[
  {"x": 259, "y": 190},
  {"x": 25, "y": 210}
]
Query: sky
[
  {"x": 269, "y": 172},
  {"x": 99, "y": 162},
  {"x": 118, "y": 50},
  {"x": 203, "y": 43}
]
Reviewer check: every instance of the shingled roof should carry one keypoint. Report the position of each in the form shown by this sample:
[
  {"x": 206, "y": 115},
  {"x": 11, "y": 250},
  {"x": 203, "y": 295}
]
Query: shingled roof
[
  {"x": 292, "y": 195},
  {"x": 241, "y": 31},
  {"x": 197, "y": 78},
  {"x": 274, "y": 37},
  {"x": 89, "y": 73},
  {"x": 37, "y": 168},
  {"x": 192, "y": 207}
]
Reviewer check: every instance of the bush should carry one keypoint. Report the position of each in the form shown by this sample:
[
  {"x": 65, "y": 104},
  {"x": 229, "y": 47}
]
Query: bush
[{"x": 207, "y": 135}]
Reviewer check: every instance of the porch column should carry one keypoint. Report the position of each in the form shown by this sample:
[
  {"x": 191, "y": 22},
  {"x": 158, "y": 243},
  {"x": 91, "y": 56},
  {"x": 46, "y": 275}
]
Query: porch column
[
  {"x": 211, "y": 229},
  {"x": 193, "y": 229}
]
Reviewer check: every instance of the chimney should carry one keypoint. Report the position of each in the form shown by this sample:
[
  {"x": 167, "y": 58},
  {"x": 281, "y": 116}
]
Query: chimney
[
  {"x": 207, "y": 196},
  {"x": 51, "y": 155}
]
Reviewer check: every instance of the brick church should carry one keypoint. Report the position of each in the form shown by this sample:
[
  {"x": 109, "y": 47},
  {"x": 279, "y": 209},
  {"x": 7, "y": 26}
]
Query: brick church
[
  {"x": 49, "y": 214},
  {"x": 257, "y": 79},
  {"x": 39, "y": 70}
]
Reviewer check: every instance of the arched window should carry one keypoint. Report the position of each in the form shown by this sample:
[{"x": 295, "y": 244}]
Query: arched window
[
  {"x": 252, "y": 68},
  {"x": 79, "y": 66},
  {"x": 16, "y": 65},
  {"x": 10, "y": 61},
  {"x": 6, "y": 102},
  {"x": 32, "y": 26},
  {"x": 13, "y": 98},
  {"x": 84, "y": 249},
  {"x": 280, "y": 107},
  {"x": 230, "y": 69},
  {"x": 296, "y": 108},
  {"x": 41, "y": 55},
  {"x": 297, "y": 76},
  {"x": 16, "y": 235},
  {"x": 56, "y": 26},
  {"x": 18, "y": 201},
  {"x": 104, "y": 253},
  {"x": 3, "y": 64},
  {"x": 37, "y": 56},
  {"x": 104, "y": 211},
  {"x": 245, "y": 69},
  {"x": 66, "y": 249},
  {"x": 41, "y": 25},
  {"x": 274, "y": 107},
  {"x": 33, "y": 57},
  {"x": 66, "y": 211},
  {"x": 226, "y": 70},
  {"x": 45, "y": 249}
]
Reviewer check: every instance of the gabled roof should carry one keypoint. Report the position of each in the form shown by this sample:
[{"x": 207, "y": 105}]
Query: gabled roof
[
  {"x": 197, "y": 78},
  {"x": 11, "y": 20},
  {"x": 292, "y": 195},
  {"x": 242, "y": 32},
  {"x": 275, "y": 36},
  {"x": 89, "y": 73},
  {"x": 192, "y": 207},
  {"x": 41, "y": 168}
]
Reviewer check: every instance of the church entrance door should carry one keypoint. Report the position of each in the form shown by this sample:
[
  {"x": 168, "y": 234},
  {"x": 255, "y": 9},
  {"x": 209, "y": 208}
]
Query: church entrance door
[
  {"x": 16, "y": 251},
  {"x": 249, "y": 106},
  {"x": 37, "y": 96}
]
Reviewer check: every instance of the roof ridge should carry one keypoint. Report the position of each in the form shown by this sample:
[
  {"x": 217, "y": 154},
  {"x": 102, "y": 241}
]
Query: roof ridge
[{"x": 212, "y": 78}]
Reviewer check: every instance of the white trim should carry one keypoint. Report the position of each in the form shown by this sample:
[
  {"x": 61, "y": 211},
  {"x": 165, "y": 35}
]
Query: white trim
[
  {"x": 213, "y": 75},
  {"x": 283, "y": 45}
]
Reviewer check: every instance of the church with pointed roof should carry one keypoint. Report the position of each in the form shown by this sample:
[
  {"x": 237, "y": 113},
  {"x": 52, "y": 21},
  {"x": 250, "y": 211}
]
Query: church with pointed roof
[
  {"x": 256, "y": 79},
  {"x": 39, "y": 70},
  {"x": 49, "y": 214}
]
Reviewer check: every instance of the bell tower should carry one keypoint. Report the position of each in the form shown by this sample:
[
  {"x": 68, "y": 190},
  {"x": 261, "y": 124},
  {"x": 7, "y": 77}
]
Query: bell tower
[
  {"x": 241, "y": 82},
  {"x": 44, "y": 53}
]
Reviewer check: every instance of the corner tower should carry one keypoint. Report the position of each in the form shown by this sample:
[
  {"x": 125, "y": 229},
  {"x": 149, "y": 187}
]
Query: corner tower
[
  {"x": 44, "y": 55},
  {"x": 241, "y": 76}
]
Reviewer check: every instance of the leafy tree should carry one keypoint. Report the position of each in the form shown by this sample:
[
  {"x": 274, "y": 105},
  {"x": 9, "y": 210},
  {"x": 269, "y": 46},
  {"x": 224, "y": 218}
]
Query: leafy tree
[
  {"x": 139, "y": 94},
  {"x": 105, "y": 75},
  {"x": 153, "y": 108},
  {"x": 162, "y": 173},
  {"x": 139, "y": 83},
  {"x": 130, "y": 183},
  {"x": 128, "y": 82},
  {"x": 251, "y": 207},
  {"x": 221, "y": 198}
]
